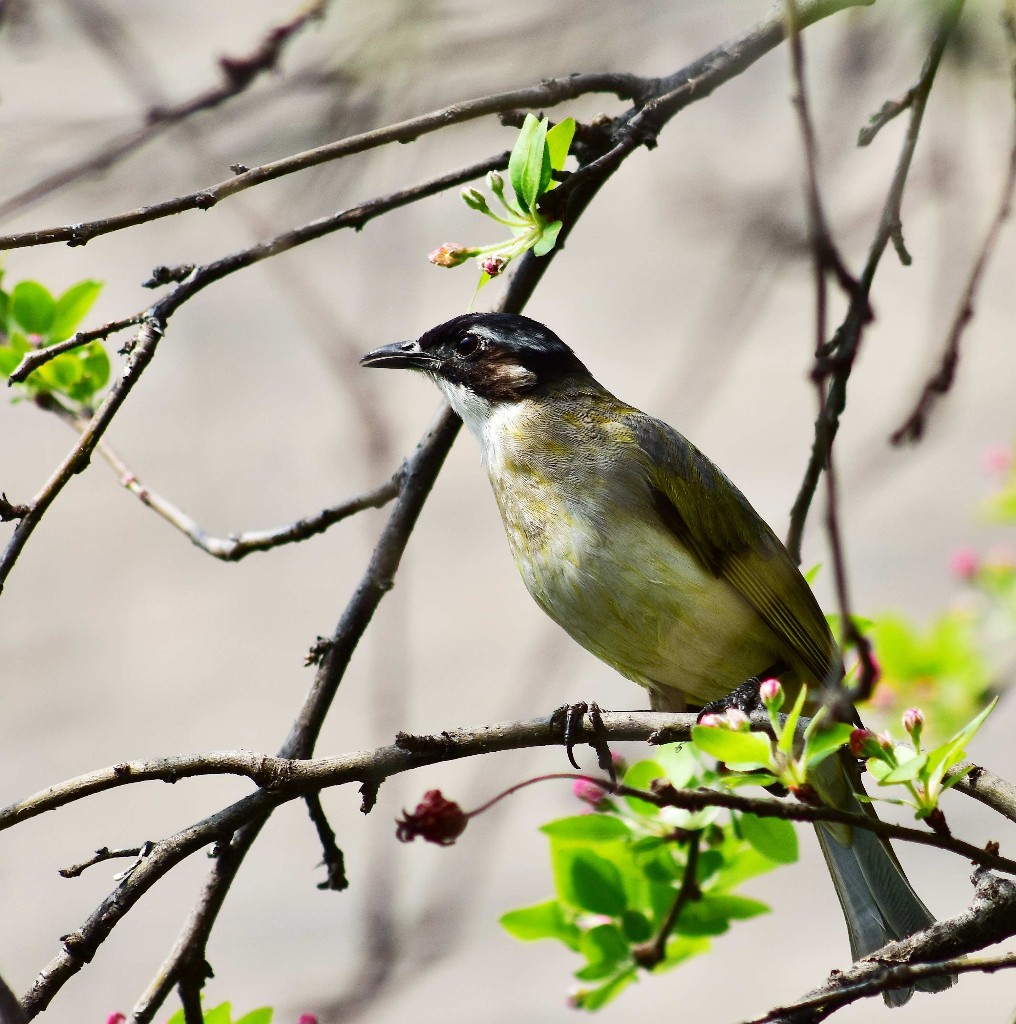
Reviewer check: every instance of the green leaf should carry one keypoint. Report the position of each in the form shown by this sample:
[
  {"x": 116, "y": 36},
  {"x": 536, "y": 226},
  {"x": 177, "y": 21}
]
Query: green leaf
[
  {"x": 636, "y": 925},
  {"x": 542, "y": 921},
  {"x": 603, "y": 945},
  {"x": 680, "y": 763},
  {"x": 529, "y": 164},
  {"x": 559, "y": 140},
  {"x": 786, "y": 743},
  {"x": 9, "y": 359},
  {"x": 824, "y": 742},
  {"x": 587, "y": 828},
  {"x": 5, "y": 309},
  {"x": 547, "y": 239},
  {"x": 597, "y": 997},
  {"x": 772, "y": 837},
  {"x": 596, "y": 971},
  {"x": 740, "y": 866},
  {"x": 712, "y": 914},
  {"x": 71, "y": 309},
  {"x": 263, "y": 1015},
  {"x": 96, "y": 364},
  {"x": 32, "y": 307},
  {"x": 221, "y": 1014},
  {"x": 742, "y": 748},
  {"x": 680, "y": 948},
  {"x": 906, "y": 771},
  {"x": 641, "y": 776},
  {"x": 952, "y": 752},
  {"x": 594, "y": 884},
  {"x": 177, "y": 1018}
]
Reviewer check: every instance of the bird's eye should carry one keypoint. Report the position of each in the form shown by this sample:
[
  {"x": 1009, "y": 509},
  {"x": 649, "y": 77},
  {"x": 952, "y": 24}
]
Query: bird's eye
[{"x": 468, "y": 346}]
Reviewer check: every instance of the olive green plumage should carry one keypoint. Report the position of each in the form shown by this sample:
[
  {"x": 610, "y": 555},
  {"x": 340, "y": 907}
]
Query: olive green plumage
[{"x": 642, "y": 549}]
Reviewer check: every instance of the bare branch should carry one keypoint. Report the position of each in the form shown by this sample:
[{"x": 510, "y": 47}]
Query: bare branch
[
  {"x": 238, "y": 73},
  {"x": 547, "y": 94},
  {"x": 101, "y": 855},
  {"x": 333, "y": 858},
  {"x": 939, "y": 383},
  {"x": 33, "y": 360},
  {"x": 652, "y": 952},
  {"x": 932, "y": 953},
  {"x": 839, "y": 354}
]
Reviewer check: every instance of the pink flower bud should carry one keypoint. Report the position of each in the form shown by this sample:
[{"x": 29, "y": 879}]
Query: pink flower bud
[
  {"x": 307, "y": 1018},
  {"x": 738, "y": 720},
  {"x": 864, "y": 743},
  {"x": 964, "y": 563},
  {"x": 450, "y": 255},
  {"x": 115, "y": 1018},
  {"x": 588, "y": 792},
  {"x": 996, "y": 459},
  {"x": 913, "y": 722},
  {"x": 713, "y": 721},
  {"x": 772, "y": 694}
]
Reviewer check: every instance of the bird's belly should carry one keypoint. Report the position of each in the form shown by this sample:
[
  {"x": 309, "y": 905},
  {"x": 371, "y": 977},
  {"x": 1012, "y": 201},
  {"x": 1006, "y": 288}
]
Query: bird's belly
[{"x": 633, "y": 596}]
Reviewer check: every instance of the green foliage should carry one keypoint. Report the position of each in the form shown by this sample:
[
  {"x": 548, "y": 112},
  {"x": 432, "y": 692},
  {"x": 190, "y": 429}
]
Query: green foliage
[
  {"x": 538, "y": 152},
  {"x": 223, "y": 1014},
  {"x": 32, "y": 318},
  {"x": 617, "y": 873},
  {"x": 921, "y": 773}
]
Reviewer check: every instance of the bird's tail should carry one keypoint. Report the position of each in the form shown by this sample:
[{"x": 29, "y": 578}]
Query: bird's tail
[{"x": 878, "y": 901}]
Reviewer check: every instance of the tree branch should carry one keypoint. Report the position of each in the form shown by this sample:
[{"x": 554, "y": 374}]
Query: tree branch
[
  {"x": 990, "y": 918},
  {"x": 840, "y": 353},
  {"x": 238, "y": 73},
  {"x": 547, "y": 94},
  {"x": 939, "y": 383}
]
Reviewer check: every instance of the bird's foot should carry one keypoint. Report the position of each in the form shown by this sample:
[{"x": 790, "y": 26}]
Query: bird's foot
[
  {"x": 569, "y": 718},
  {"x": 745, "y": 698}
]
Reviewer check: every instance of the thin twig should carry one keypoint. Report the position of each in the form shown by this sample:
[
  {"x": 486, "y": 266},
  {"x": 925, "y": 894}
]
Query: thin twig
[
  {"x": 650, "y": 954},
  {"x": 104, "y": 853},
  {"x": 932, "y": 953},
  {"x": 238, "y": 74},
  {"x": 840, "y": 354},
  {"x": 33, "y": 360},
  {"x": 333, "y": 858},
  {"x": 939, "y": 383},
  {"x": 547, "y": 94}
]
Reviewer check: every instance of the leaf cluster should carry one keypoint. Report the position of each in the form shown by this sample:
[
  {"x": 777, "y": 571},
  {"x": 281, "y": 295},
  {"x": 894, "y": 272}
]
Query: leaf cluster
[
  {"x": 618, "y": 871},
  {"x": 31, "y": 317}
]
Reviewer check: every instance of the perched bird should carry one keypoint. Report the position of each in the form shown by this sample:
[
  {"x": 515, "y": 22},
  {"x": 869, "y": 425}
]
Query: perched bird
[{"x": 638, "y": 546}]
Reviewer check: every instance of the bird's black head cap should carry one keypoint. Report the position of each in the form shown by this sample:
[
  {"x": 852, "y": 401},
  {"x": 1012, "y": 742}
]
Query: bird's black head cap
[{"x": 494, "y": 352}]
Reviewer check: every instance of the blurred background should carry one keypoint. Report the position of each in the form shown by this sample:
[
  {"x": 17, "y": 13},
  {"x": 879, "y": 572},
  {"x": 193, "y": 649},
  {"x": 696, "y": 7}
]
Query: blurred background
[{"x": 687, "y": 290}]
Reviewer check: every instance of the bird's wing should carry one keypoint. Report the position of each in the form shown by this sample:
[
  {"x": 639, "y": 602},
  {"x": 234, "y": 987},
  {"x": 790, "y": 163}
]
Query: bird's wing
[{"x": 714, "y": 520}]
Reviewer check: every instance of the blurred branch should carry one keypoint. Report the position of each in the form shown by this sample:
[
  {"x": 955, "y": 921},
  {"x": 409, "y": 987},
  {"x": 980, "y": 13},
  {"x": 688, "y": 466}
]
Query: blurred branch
[
  {"x": 939, "y": 383},
  {"x": 837, "y": 358},
  {"x": 931, "y": 953},
  {"x": 238, "y": 73},
  {"x": 548, "y": 93}
]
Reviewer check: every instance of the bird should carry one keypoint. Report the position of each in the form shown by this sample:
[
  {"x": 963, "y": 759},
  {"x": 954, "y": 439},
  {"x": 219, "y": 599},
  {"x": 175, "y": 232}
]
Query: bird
[{"x": 643, "y": 550}]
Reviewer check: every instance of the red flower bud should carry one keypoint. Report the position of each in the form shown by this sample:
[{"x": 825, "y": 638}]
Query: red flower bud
[
  {"x": 864, "y": 743},
  {"x": 493, "y": 265},
  {"x": 435, "y": 819},
  {"x": 772, "y": 694},
  {"x": 307, "y": 1018},
  {"x": 115, "y": 1018},
  {"x": 588, "y": 792}
]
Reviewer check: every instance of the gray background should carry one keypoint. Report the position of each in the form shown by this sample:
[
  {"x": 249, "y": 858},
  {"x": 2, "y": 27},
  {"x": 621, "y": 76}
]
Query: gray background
[{"x": 685, "y": 289}]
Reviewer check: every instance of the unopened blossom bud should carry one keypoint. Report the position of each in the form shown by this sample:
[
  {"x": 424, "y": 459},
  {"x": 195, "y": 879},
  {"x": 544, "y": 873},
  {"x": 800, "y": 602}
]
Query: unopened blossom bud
[
  {"x": 738, "y": 720},
  {"x": 913, "y": 722},
  {"x": 450, "y": 254},
  {"x": 620, "y": 764},
  {"x": 495, "y": 182},
  {"x": 588, "y": 792},
  {"x": 964, "y": 563},
  {"x": 115, "y": 1018},
  {"x": 772, "y": 694},
  {"x": 713, "y": 721},
  {"x": 307, "y": 1018},
  {"x": 474, "y": 199},
  {"x": 435, "y": 819},
  {"x": 493, "y": 265},
  {"x": 864, "y": 743}
]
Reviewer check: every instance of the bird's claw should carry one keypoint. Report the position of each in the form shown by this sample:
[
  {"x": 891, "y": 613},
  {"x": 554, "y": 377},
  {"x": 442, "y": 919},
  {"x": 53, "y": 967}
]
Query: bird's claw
[
  {"x": 744, "y": 698},
  {"x": 569, "y": 718}
]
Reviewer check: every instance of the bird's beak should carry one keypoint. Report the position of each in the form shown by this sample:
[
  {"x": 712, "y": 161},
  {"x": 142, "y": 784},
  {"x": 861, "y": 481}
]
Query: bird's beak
[{"x": 401, "y": 355}]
